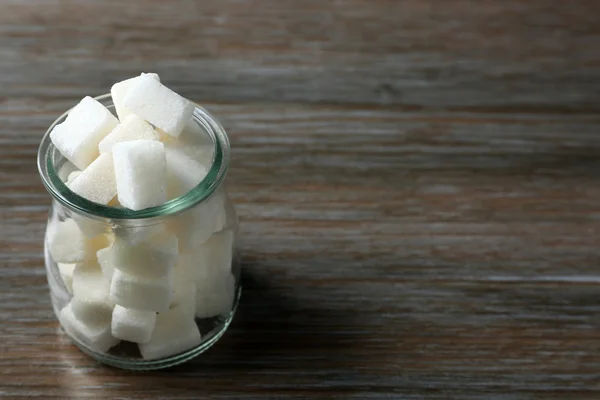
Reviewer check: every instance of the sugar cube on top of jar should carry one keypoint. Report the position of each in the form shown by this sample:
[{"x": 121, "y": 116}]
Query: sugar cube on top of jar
[{"x": 146, "y": 256}]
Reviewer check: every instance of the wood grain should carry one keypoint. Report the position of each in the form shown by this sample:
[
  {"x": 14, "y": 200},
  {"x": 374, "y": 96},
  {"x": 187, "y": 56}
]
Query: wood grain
[{"x": 417, "y": 183}]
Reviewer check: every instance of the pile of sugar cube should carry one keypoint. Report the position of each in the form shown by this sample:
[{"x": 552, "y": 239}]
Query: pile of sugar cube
[{"x": 149, "y": 283}]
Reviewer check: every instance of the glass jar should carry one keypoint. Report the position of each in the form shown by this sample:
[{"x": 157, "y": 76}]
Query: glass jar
[{"x": 85, "y": 241}]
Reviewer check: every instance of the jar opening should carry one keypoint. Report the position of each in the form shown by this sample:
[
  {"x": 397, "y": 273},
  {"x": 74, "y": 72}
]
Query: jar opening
[{"x": 48, "y": 155}]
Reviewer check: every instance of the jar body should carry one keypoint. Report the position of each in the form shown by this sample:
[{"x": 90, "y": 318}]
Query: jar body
[{"x": 142, "y": 293}]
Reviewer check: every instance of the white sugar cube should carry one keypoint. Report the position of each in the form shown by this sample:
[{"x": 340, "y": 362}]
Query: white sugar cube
[
  {"x": 152, "y": 258},
  {"x": 96, "y": 335},
  {"x": 90, "y": 309},
  {"x": 197, "y": 225},
  {"x": 133, "y": 325},
  {"x": 196, "y": 267},
  {"x": 78, "y": 136},
  {"x": 118, "y": 91},
  {"x": 211, "y": 281},
  {"x": 193, "y": 142},
  {"x": 97, "y": 182},
  {"x": 90, "y": 293},
  {"x": 67, "y": 244},
  {"x": 131, "y": 128},
  {"x": 141, "y": 293},
  {"x": 72, "y": 177},
  {"x": 159, "y": 105},
  {"x": 175, "y": 332},
  {"x": 184, "y": 285},
  {"x": 215, "y": 298},
  {"x": 211, "y": 258},
  {"x": 65, "y": 170},
  {"x": 135, "y": 234},
  {"x": 140, "y": 169},
  {"x": 66, "y": 274},
  {"x": 183, "y": 173},
  {"x": 91, "y": 228},
  {"x": 200, "y": 154},
  {"x": 212, "y": 213},
  {"x": 194, "y": 135},
  {"x": 217, "y": 252},
  {"x": 105, "y": 260},
  {"x": 230, "y": 214},
  {"x": 223, "y": 252},
  {"x": 187, "y": 265}
]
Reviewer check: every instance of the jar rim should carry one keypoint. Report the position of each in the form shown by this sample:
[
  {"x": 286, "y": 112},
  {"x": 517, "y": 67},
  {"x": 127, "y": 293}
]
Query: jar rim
[{"x": 211, "y": 182}]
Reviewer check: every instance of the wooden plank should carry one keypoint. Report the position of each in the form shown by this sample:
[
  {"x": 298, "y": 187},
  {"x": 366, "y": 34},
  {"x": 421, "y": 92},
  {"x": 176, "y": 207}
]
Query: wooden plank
[{"x": 504, "y": 55}]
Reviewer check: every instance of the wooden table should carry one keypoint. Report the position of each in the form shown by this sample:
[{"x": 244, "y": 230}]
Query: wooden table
[{"x": 418, "y": 185}]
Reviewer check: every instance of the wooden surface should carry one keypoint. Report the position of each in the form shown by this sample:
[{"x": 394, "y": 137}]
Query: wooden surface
[{"x": 417, "y": 181}]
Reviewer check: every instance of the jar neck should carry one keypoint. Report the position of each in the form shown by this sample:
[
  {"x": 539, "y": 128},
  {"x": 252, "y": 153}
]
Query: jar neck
[{"x": 49, "y": 159}]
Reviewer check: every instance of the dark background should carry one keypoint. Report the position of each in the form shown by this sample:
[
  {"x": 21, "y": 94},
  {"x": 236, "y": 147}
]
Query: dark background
[{"x": 417, "y": 183}]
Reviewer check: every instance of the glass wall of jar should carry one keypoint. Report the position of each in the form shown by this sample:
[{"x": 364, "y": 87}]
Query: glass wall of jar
[{"x": 144, "y": 289}]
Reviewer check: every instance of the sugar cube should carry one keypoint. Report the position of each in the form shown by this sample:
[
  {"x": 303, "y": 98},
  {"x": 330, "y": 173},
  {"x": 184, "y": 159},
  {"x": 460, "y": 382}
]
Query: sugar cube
[
  {"x": 212, "y": 257},
  {"x": 119, "y": 90},
  {"x": 91, "y": 228},
  {"x": 197, "y": 225},
  {"x": 184, "y": 285},
  {"x": 211, "y": 280},
  {"x": 105, "y": 261},
  {"x": 217, "y": 252},
  {"x": 88, "y": 279},
  {"x": 90, "y": 293},
  {"x": 141, "y": 293},
  {"x": 175, "y": 332},
  {"x": 152, "y": 258},
  {"x": 140, "y": 169},
  {"x": 231, "y": 218},
  {"x": 91, "y": 308},
  {"x": 131, "y": 128},
  {"x": 72, "y": 177},
  {"x": 65, "y": 170},
  {"x": 183, "y": 173},
  {"x": 96, "y": 335},
  {"x": 194, "y": 142},
  {"x": 159, "y": 105},
  {"x": 194, "y": 135},
  {"x": 78, "y": 136},
  {"x": 133, "y": 325},
  {"x": 97, "y": 182},
  {"x": 215, "y": 297},
  {"x": 136, "y": 233},
  {"x": 66, "y": 274},
  {"x": 187, "y": 265},
  {"x": 67, "y": 244}
]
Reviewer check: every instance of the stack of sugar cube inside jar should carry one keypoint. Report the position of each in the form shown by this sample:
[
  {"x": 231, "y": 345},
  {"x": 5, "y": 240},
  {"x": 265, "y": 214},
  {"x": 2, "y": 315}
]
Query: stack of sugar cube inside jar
[{"x": 146, "y": 283}]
